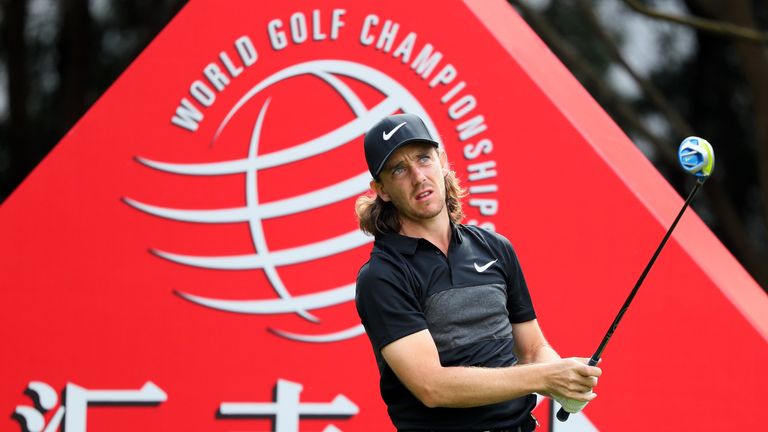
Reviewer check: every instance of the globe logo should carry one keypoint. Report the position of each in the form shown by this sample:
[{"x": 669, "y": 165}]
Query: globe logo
[{"x": 256, "y": 211}]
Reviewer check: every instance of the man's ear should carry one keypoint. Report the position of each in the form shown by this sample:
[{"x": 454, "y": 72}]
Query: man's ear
[
  {"x": 379, "y": 189},
  {"x": 443, "y": 161}
]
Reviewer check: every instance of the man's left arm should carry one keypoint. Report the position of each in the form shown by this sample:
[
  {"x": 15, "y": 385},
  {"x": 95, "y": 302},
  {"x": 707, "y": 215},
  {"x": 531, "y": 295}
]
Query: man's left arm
[
  {"x": 530, "y": 344},
  {"x": 531, "y": 347}
]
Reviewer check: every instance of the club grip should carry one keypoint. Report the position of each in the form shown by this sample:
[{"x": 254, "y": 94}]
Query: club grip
[{"x": 562, "y": 414}]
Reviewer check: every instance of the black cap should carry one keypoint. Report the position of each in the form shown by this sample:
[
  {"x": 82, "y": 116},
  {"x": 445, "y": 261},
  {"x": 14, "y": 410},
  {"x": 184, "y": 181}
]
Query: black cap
[{"x": 390, "y": 134}]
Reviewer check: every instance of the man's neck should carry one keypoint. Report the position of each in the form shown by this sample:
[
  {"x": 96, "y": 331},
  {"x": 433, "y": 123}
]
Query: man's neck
[{"x": 437, "y": 230}]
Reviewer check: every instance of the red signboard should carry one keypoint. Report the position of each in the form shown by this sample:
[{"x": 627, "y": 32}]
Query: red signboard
[{"x": 185, "y": 258}]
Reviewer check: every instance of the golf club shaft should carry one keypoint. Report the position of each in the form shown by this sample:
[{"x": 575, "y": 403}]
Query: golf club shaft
[{"x": 562, "y": 415}]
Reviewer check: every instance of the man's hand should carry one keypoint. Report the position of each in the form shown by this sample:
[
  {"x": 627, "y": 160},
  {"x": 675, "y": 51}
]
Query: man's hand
[{"x": 570, "y": 383}]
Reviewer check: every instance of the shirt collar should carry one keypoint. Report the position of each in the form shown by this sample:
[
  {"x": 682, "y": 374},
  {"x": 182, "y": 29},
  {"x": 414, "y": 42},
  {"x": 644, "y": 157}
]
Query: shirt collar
[
  {"x": 403, "y": 244},
  {"x": 456, "y": 234},
  {"x": 408, "y": 245}
]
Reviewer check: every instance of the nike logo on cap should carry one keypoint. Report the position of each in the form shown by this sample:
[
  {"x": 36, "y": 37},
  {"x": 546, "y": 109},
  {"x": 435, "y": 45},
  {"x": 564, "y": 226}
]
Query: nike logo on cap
[
  {"x": 483, "y": 268},
  {"x": 387, "y": 136}
]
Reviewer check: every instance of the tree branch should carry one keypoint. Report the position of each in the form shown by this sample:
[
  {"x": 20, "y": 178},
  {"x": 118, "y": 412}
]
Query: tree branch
[
  {"x": 722, "y": 206},
  {"x": 680, "y": 126},
  {"x": 703, "y": 24},
  {"x": 599, "y": 89}
]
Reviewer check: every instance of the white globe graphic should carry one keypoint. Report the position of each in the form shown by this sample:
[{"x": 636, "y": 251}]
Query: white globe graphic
[{"x": 254, "y": 211}]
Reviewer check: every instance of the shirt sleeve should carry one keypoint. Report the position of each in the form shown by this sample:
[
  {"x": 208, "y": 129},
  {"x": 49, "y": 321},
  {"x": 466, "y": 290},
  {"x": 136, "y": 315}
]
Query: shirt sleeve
[
  {"x": 519, "y": 304},
  {"x": 387, "y": 303}
]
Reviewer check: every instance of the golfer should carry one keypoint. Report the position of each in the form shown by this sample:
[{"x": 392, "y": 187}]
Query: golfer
[{"x": 445, "y": 305}]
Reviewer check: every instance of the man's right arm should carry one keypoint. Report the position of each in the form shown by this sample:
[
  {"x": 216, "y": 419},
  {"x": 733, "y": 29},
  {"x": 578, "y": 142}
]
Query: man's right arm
[{"x": 416, "y": 362}]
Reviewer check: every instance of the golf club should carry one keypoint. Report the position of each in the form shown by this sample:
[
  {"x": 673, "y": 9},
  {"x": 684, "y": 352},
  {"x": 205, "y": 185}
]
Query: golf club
[{"x": 696, "y": 157}]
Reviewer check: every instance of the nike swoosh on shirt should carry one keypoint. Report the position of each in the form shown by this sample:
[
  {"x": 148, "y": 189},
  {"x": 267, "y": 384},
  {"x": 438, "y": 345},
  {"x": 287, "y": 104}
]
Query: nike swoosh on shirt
[
  {"x": 387, "y": 136},
  {"x": 483, "y": 268}
]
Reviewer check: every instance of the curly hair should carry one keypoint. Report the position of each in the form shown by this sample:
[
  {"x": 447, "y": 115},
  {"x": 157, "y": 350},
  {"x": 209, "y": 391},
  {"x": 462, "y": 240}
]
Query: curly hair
[{"x": 377, "y": 217}]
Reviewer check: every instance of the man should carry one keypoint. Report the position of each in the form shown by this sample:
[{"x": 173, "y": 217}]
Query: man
[{"x": 445, "y": 305}]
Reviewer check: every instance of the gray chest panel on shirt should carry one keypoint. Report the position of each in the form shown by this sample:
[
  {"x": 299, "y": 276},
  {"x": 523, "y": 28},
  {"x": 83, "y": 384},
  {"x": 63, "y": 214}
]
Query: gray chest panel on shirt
[{"x": 462, "y": 316}]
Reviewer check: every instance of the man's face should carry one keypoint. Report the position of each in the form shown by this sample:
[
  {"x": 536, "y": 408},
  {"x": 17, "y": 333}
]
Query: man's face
[{"x": 413, "y": 180}]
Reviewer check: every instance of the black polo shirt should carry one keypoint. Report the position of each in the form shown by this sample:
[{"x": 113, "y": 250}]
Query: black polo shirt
[{"x": 467, "y": 300}]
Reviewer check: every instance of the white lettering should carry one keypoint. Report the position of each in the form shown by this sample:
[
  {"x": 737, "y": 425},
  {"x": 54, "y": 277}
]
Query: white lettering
[
  {"x": 405, "y": 49},
  {"x": 246, "y": 50},
  {"x": 215, "y": 77},
  {"x": 445, "y": 76},
  {"x": 426, "y": 62},
  {"x": 233, "y": 70},
  {"x": 368, "y": 22},
  {"x": 78, "y": 399},
  {"x": 287, "y": 408},
  {"x": 219, "y": 75},
  {"x": 298, "y": 28},
  {"x": 187, "y": 116},
  {"x": 336, "y": 22},
  {"x": 471, "y": 127},
  {"x": 472, "y": 151},
  {"x": 481, "y": 189},
  {"x": 276, "y": 36},
  {"x": 317, "y": 33},
  {"x": 46, "y": 399},
  {"x": 486, "y": 207},
  {"x": 481, "y": 171},
  {"x": 202, "y": 93},
  {"x": 452, "y": 92},
  {"x": 462, "y": 107},
  {"x": 387, "y": 35}
]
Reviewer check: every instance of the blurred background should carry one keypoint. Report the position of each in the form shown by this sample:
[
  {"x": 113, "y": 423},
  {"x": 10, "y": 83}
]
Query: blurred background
[{"x": 663, "y": 70}]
